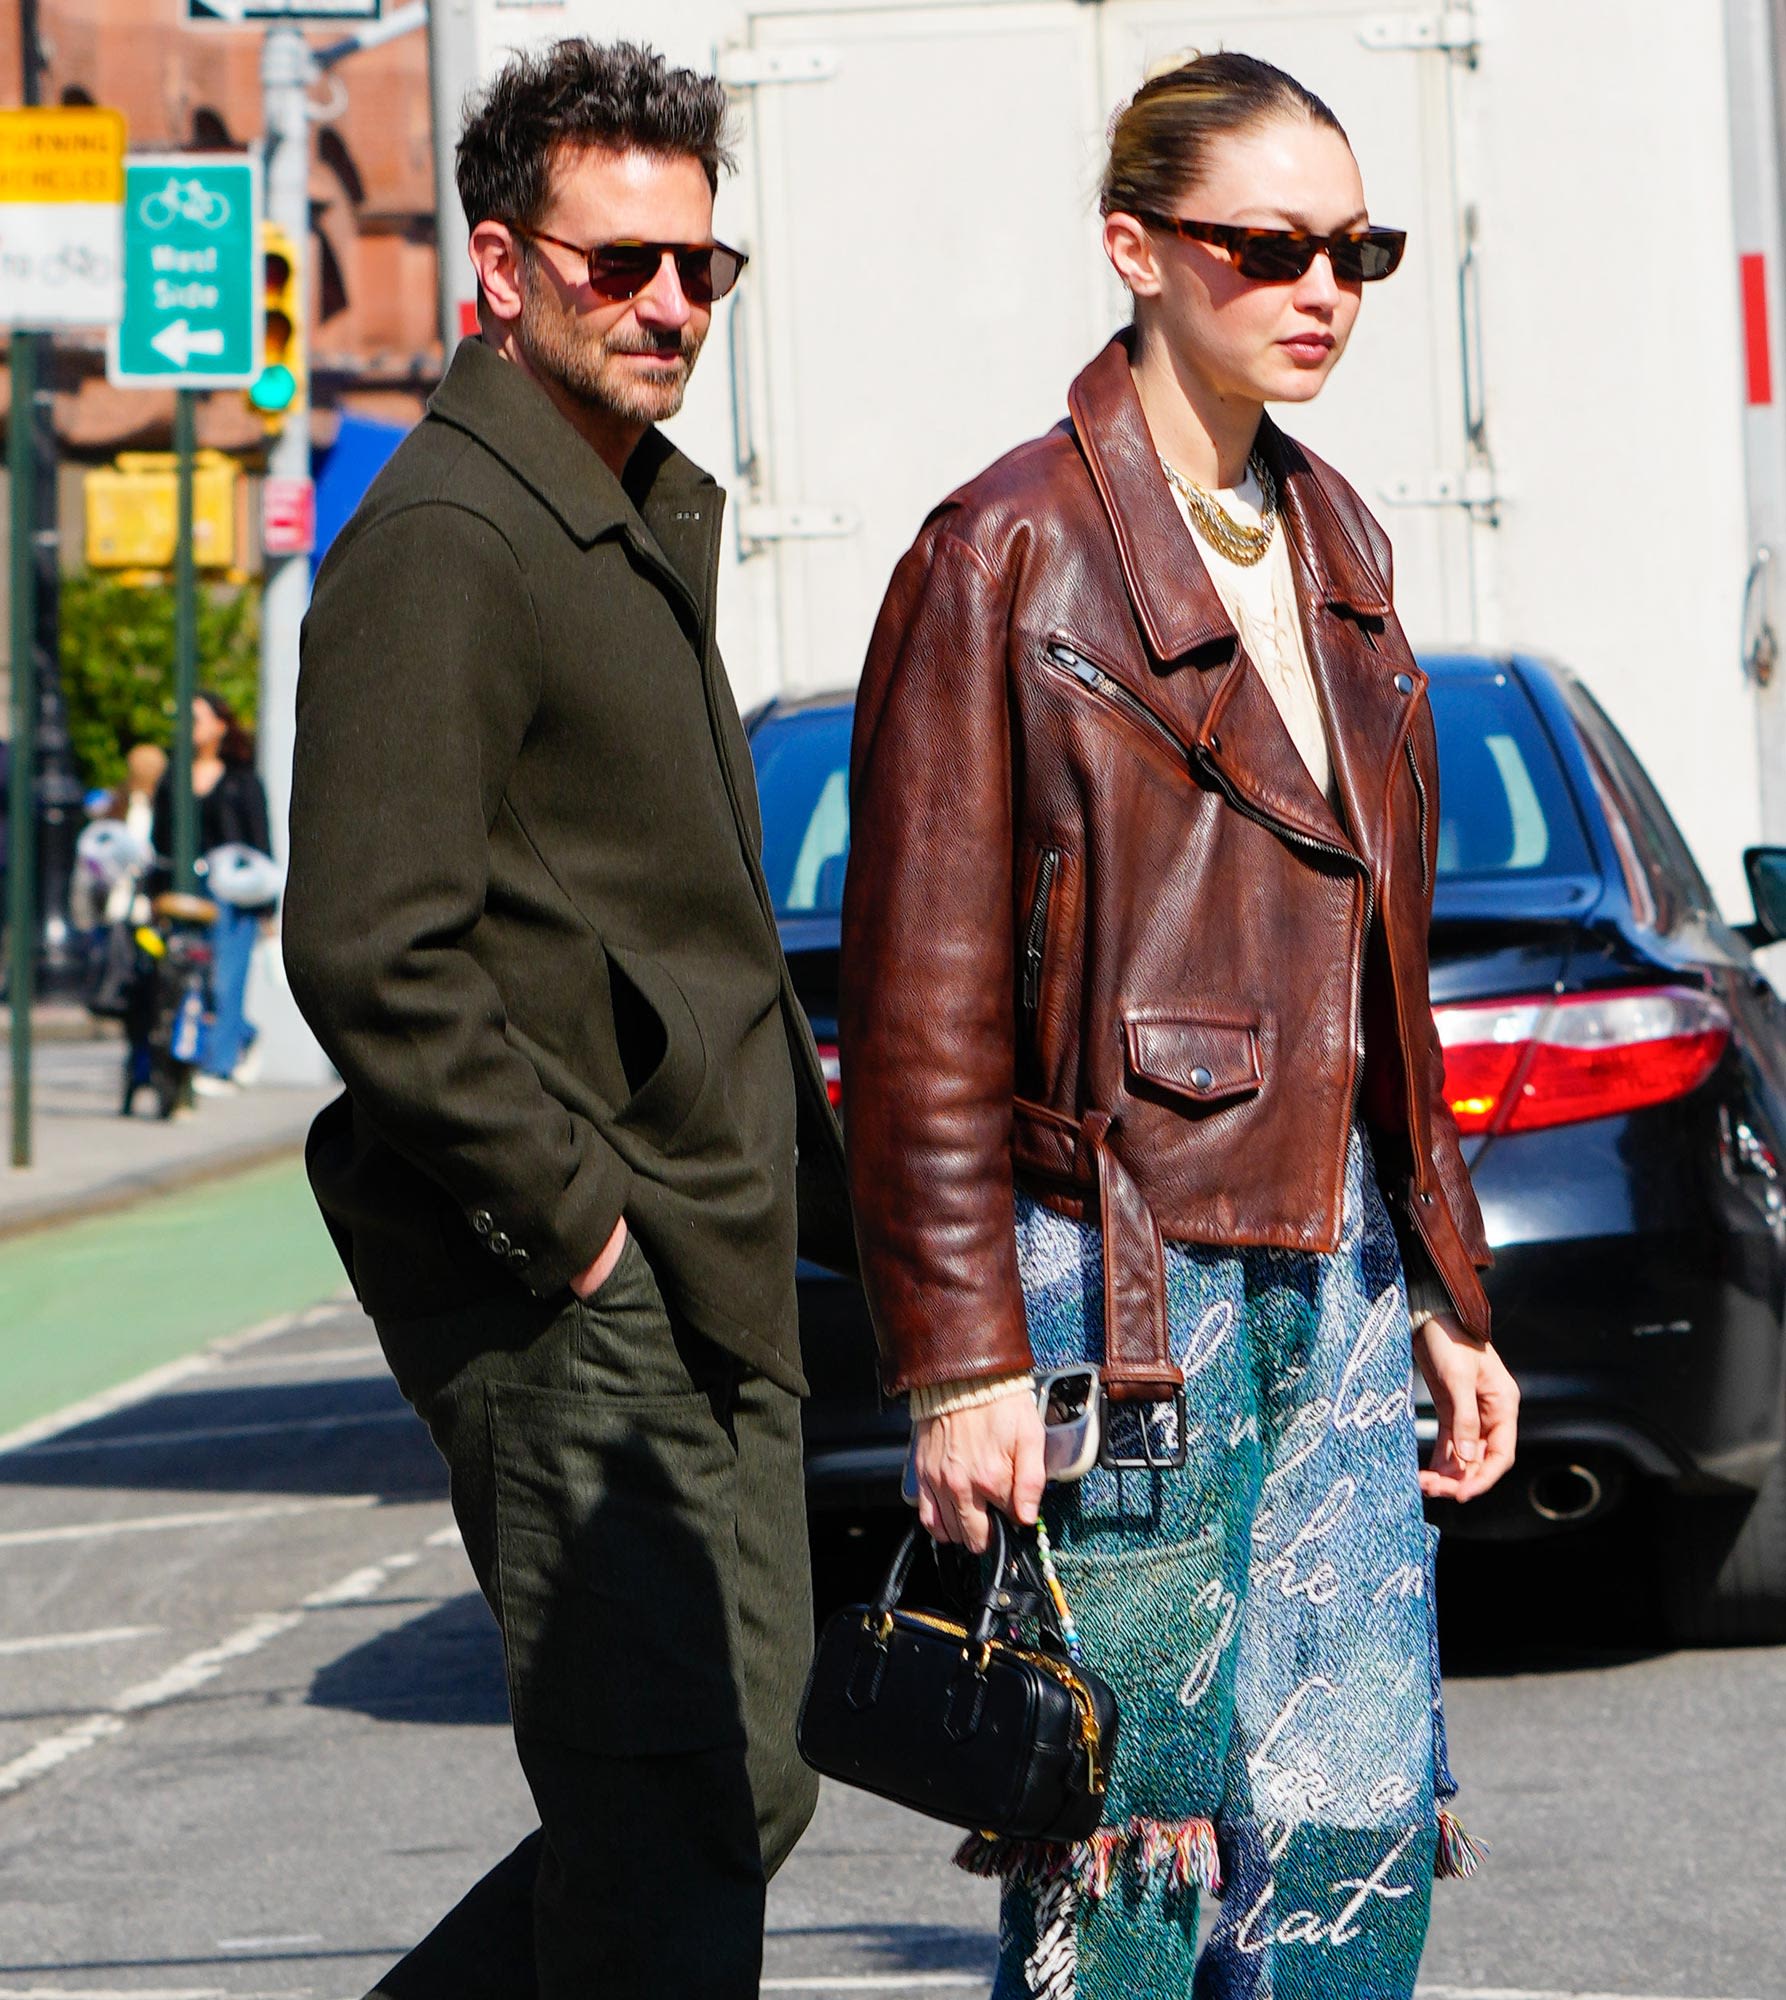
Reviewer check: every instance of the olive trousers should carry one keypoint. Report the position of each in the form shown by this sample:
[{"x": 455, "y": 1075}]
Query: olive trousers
[{"x": 630, "y": 1497}]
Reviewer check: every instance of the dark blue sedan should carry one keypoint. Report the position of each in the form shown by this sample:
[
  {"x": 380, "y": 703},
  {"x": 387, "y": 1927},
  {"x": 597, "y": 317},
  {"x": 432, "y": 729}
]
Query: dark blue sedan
[{"x": 1617, "y": 1065}]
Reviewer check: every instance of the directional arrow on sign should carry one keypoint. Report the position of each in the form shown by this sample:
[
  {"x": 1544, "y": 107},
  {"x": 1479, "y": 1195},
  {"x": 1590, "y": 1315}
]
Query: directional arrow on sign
[{"x": 180, "y": 342}]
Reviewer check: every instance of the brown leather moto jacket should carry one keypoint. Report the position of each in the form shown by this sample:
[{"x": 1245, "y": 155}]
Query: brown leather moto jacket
[{"x": 1103, "y": 938}]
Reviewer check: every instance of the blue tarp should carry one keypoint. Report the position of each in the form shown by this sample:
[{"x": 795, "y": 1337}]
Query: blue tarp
[{"x": 344, "y": 472}]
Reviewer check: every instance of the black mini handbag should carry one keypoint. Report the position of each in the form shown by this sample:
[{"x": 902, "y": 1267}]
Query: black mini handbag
[{"x": 957, "y": 1719}]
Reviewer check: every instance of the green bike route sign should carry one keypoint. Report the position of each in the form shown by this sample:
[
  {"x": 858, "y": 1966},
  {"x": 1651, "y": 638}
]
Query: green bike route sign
[{"x": 193, "y": 298}]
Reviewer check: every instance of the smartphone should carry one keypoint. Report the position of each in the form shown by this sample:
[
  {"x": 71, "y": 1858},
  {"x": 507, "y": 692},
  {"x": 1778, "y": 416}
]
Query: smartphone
[{"x": 1071, "y": 1404}]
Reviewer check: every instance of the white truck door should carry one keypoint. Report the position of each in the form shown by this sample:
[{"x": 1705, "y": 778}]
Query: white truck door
[
  {"x": 925, "y": 286},
  {"x": 1393, "y": 419}
]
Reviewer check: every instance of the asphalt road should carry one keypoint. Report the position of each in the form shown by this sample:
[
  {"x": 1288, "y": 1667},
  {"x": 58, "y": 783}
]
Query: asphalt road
[{"x": 252, "y": 1736}]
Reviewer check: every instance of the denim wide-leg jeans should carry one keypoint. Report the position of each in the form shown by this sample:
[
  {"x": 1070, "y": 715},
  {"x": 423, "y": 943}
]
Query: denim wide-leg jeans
[{"x": 1265, "y": 1617}]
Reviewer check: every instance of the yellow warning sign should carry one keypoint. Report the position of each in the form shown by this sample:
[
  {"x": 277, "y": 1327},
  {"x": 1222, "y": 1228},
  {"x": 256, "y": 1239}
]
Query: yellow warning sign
[{"x": 65, "y": 153}]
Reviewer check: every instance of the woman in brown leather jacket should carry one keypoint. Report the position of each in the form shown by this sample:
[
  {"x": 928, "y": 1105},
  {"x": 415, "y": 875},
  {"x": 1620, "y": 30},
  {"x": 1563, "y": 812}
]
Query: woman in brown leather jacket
[{"x": 1140, "y": 1076}]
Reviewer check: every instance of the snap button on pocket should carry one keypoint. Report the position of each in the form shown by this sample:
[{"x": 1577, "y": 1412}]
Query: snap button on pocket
[
  {"x": 1404, "y": 683},
  {"x": 1201, "y": 1078}
]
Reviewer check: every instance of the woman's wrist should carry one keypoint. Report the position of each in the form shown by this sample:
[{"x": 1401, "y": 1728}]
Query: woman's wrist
[{"x": 943, "y": 1399}]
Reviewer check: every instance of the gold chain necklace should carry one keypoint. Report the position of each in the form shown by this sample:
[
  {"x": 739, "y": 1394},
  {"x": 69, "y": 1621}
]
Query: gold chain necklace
[{"x": 1234, "y": 539}]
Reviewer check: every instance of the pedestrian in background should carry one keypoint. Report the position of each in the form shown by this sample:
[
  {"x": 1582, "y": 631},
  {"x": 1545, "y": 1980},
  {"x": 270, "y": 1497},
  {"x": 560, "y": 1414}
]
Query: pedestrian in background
[
  {"x": 527, "y": 921},
  {"x": 232, "y": 812},
  {"x": 1140, "y": 1072}
]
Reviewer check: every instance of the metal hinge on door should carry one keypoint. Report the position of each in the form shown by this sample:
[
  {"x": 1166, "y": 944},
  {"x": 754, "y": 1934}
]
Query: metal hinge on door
[
  {"x": 1453, "y": 28},
  {"x": 1475, "y": 488},
  {"x": 762, "y": 522},
  {"x": 746, "y": 69}
]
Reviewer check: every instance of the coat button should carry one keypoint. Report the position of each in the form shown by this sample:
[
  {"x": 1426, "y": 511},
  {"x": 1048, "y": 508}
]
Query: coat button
[
  {"x": 499, "y": 1243},
  {"x": 483, "y": 1221},
  {"x": 1201, "y": 1078},
  {"x": 517, "y": 1256},
  {"x": 1404, "y": 683}
]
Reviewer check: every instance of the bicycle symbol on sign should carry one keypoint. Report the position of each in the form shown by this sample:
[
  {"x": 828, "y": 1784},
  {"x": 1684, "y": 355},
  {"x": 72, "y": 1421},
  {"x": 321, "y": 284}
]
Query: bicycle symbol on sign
[{"x": 184, "y": 201}]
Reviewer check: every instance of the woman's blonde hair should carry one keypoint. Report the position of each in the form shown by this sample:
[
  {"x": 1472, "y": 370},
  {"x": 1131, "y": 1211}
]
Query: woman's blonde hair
[{"x": 1160, "y": 139}]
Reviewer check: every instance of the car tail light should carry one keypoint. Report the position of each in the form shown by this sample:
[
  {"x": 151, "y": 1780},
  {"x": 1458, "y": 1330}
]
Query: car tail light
[
  {"x": 833, "y": 1069},
  {"x": 1520, "y": 1064}
]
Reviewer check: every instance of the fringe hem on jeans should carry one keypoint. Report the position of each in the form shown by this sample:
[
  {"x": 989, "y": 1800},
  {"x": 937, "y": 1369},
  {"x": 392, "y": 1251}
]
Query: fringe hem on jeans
[{"x": 1182, "y": 1856}]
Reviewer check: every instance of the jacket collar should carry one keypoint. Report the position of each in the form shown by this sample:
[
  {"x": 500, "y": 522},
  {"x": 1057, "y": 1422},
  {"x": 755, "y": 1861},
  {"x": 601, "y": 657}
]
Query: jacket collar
[
  {"x": 1176, "y": 602},
  {"x": 666, "y": 506},
  {"x": 1236, "y": 724}
]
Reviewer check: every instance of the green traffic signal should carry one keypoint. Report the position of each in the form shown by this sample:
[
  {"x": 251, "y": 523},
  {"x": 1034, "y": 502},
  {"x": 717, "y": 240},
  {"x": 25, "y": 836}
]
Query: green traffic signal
[{"x": 273, "y": 389}]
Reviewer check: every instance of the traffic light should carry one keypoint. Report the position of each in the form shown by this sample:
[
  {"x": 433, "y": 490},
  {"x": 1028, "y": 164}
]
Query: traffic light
[{"x": 281, "y": 378}]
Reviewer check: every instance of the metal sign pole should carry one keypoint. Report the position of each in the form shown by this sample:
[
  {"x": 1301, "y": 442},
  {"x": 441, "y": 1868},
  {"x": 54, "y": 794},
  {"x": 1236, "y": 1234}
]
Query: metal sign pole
[
  {"x": 288, "y": 1050},
  {"x": 21, "y": 885},
  {"x": 185, "y": 655}
]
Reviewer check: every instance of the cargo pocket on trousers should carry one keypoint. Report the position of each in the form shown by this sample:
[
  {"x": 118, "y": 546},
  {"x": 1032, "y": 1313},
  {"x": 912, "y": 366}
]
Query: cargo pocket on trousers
[{"x": 616, "y": 1570}]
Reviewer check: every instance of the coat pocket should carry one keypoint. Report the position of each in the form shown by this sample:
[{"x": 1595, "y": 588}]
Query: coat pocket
[
  {"x": 661, "y": 1050},
  {"x": 1193, "y": 1062}
]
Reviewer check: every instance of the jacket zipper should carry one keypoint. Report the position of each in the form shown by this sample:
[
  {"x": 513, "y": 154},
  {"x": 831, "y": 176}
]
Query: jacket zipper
[
  {"x": 1420, "y": 794},
  {"x": 1093, "y": 677},
  {"x": 1036, "y": 937},
  {"x": 1090, "y": 675}
]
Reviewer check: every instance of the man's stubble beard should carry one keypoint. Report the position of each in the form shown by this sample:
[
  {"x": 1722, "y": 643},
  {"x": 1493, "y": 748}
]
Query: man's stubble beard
[{"x": 586, "y": 367}]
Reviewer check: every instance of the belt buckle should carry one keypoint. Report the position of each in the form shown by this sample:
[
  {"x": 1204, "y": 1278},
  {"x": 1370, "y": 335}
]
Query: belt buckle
[{"x": 1151, "y": 1456}]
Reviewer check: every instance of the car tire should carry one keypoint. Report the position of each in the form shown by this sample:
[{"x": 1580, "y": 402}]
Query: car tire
[{"x": 1724, "y": 1568}]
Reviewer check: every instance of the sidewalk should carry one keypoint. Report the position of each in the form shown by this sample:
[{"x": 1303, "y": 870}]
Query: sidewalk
[{"x": 87, "y": 1159}]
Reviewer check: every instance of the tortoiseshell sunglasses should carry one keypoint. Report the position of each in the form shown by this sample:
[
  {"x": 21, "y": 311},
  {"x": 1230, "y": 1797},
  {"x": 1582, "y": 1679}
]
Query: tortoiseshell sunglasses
[
  {"x": 1276, "y": 256},
  {"x": 621, "y": 270}
]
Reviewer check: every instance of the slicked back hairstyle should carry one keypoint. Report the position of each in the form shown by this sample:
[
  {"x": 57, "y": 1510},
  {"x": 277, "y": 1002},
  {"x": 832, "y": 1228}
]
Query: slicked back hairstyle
[
  {"x": 1160, "y": 139},
  {"x": 618, "y": 96}
]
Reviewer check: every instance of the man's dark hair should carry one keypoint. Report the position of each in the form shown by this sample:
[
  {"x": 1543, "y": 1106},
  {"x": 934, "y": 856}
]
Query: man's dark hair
[{"x": 618, "y": 96}]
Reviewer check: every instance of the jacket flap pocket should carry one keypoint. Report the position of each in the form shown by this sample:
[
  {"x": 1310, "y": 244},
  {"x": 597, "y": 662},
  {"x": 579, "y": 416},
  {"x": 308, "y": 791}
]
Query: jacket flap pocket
[{"x": 1202, "y": 1060}]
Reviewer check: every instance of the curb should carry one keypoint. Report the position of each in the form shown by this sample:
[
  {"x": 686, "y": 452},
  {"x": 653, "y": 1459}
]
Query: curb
[{"x": 129, "y": 1190}]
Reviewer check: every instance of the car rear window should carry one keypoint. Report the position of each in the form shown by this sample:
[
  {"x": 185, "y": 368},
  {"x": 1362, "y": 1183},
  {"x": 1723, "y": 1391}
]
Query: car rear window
[
  {"x": 1505, "y": 808},
  {"x": 803, "y": 781}
]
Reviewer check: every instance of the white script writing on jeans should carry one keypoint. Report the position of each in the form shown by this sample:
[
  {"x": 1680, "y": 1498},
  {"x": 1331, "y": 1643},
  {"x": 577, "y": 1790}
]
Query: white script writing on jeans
[
  {"x": 1322, "y": 1584},
  {"x": 1356, "y": 1407},
  {"x": 1226, "y": 1606},
  {"x": 1310, "y": 1926}
]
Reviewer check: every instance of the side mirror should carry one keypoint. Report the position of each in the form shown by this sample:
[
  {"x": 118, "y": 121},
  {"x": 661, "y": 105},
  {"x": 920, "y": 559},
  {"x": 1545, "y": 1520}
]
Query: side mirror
[{"x": 1766, "y": 870}]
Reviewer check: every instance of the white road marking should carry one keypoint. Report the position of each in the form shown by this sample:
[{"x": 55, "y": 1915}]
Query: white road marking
[
  {"x": 447, "y": 1537},
  {"x": 363, "y": 1583},
  {"x": 909, "y": 1982},
  {"x": 148, "y": 1524},
  {"x": 1540, "y": 1993},
  {"x": 268, "y": 1943},
  {"x": 221, "y": 1434},
  {"x": 57, "y": 1642},
  {"x": 876, "y": 1982},
  {"x": 185, "y": 1676},
  {"x": 368, "y": 1351},
  {"x": 148, "y": 1993}
]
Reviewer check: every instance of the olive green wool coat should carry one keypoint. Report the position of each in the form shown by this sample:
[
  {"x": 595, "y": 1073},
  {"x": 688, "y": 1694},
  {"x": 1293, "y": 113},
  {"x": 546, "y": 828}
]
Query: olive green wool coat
[{"x": 526, "y": 915}]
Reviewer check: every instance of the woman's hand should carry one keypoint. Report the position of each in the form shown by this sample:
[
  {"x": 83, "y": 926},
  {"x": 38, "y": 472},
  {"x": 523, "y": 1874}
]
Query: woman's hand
[
  {"x": 969, "y": 1460},
  {"x": 1477, "y": 1402}
]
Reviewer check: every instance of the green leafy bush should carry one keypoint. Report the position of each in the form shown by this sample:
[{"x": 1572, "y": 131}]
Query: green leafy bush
[{"x": 118, "y": 663}]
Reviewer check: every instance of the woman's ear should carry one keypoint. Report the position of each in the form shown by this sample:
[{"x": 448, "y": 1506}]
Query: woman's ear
[{"x": 1130, "y": 250}]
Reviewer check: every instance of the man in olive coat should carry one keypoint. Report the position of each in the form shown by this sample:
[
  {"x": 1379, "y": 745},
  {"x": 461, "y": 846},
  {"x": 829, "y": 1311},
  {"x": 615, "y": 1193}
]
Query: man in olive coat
[{"x": 527, "y": 921}]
